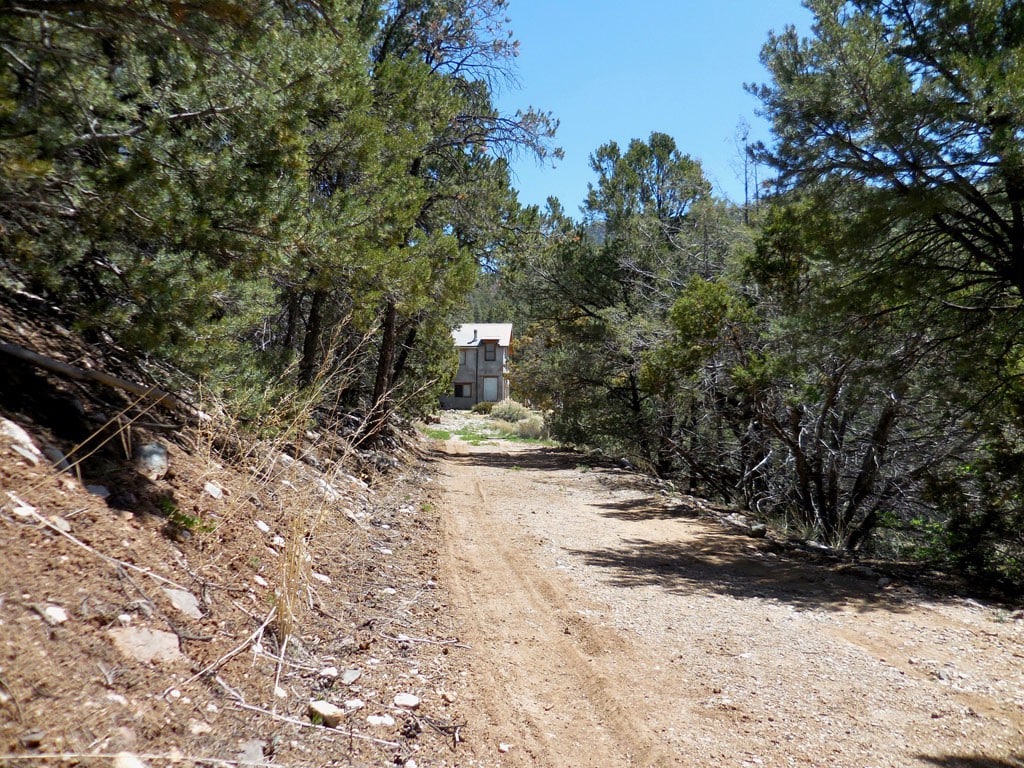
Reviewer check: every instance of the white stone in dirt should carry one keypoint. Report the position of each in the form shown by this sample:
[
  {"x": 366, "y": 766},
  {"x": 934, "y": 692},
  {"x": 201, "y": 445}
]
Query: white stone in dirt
[
  {"x": 349, "y": 676},
  {"x": 199, "y": 728},
  {"x": 252, "y": 752},
  {"x": 503, "y": 747},
  {"x": 407, "y": 701},
  {"x": 322, "y": 578},
  {"x": 329, "y": 714},
  {"x": 353, "y": 705},
  {"x": 263, "y": 526},
  {"x": 214, "y": 490},
  {"x": 380, "y": 721},
  {"x": 60, "y": 523},
  {"x": 260, "y": 580},
  {"x": 20, "y": 442},
  {"x": 146, "y": 645},
  {"x": 185, "y": 602},
  {"x": 127, "y": 760},
  {"x": 329, "y": 673},
  {"x": 21, "y": 508},
  {"x": 150, "y": 460},
  {"x": 53, "y": 615}
]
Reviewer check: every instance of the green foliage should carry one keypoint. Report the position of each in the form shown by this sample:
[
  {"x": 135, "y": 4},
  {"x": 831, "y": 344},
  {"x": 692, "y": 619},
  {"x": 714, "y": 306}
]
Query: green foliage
[
  {"x": 484, "y": 407},
  {"x": 269, "y": 195}
]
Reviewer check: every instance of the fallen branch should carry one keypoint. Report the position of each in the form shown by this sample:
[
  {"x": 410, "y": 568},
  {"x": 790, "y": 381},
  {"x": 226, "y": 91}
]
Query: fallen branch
[
  {"x": 227, "y": 656},
  {"x": 159, "y": 396},
  {"x": 172, "y": 759}
]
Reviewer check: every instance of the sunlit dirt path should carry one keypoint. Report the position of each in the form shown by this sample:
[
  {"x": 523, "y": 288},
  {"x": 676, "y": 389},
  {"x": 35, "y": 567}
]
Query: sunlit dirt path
[{"x": 611, "y": 625}]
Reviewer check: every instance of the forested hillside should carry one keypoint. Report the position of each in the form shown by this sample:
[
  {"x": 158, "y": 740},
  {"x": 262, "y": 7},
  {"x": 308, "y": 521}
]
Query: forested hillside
[
  {"x": 293, "y": 202},
  {"x": 276, "y": 196}
]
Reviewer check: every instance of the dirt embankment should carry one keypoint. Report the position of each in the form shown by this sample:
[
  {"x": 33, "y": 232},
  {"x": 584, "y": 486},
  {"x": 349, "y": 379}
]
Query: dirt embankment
[{"x": 612, "y": 624}]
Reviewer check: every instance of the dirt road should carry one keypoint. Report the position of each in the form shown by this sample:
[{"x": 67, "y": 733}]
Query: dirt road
[{"x": 611, "y": 625}]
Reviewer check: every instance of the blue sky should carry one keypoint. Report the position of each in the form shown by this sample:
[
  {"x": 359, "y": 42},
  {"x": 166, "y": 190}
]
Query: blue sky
[{"x": 615, "y": 70}]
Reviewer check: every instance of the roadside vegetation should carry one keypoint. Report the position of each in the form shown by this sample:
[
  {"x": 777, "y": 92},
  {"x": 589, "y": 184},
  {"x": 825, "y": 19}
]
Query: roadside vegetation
[{"x": 294, "y": 203}]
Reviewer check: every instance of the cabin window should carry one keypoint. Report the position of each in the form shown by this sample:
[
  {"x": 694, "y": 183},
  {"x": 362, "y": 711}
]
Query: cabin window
[
  {"x": 490, "y": 350},
  {"x": 463, "y": 390},
  {"x": 462, "y": 357}
]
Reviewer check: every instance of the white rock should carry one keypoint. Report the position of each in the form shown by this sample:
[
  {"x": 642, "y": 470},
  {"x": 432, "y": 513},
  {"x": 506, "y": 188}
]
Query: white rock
[
  {"x": 53, "y": 615},
  {"x": 350, "y": 676},
  {"x": 150, "y": 460},
  {"x": 251, "y": 752},
  {"x": 146, "y": 645},
  {"x": 278, "y": 541},
  {"x": 117, "y": 698},
  {"x": 263, "y": 526},
  {"x": 214, "y": 490},
  {"x": 380, "y": 721},
  {"x": 327, "y": 713},
  {"x": 21, "y": 441},
  {"x": 199, "y": 728},
  {"x": 503, "y": 747},
  {"x": 353, "y": 705},
  {"x": 407, "y": 701},
  {"x": 280, "y": 692},
  {"x": 330, "y": 673},
  {"x": 322, "y": 578},
  {"x": 60, "y": 523},
  {"x": 185, "y": 602},
  {"x": 260, "y": 580},
  {"x": 21, "y": 508},
  {"x": 410, "y": 763},
  {"x": 127, "y": 760},
  {"x": 327, "y": 490}
]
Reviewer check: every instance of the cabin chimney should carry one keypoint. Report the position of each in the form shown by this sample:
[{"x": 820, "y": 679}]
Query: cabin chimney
[{"x": 474, "y": 336}]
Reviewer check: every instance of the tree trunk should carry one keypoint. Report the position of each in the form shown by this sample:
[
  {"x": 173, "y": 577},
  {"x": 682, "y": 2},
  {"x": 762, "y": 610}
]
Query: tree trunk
[
  {"x": 311, "y": 343},
  {"x": 380, "y": 407}
]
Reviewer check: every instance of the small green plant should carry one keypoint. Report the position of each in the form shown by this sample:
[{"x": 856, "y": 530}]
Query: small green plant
[
  {"x": 484, "y": 408},
  {"x": 438, "y": 434},
  {"x": 174, "y": 515}
]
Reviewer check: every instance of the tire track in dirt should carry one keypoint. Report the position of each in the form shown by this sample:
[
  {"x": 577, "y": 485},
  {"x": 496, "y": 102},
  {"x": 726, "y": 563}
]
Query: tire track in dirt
[{"x": 554, "y": 704}]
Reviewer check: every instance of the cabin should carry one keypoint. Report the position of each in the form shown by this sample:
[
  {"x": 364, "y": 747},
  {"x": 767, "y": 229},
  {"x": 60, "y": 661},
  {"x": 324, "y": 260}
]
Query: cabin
[{"x": 484, "y": 350}]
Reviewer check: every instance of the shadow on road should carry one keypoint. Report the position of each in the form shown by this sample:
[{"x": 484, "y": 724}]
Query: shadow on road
[
  {"x": 718, "y": 557},
  {"x": 733, "y": 564},
  {"x": 961, "y": 761}
]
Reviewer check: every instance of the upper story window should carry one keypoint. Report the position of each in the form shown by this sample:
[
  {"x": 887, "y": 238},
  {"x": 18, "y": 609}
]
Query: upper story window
[
  {"x": 490, "y": 350},
  {"x": 462, "y": 357}
]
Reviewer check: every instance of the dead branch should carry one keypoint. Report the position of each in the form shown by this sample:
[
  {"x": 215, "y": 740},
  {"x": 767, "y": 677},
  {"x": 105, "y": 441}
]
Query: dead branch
[{"x": 159, "y": 396}]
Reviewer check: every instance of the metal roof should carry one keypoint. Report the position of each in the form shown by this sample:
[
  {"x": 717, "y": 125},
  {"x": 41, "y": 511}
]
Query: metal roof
[{"x": 471, "y": 334}]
